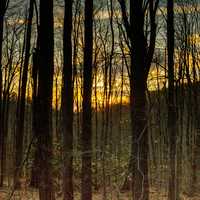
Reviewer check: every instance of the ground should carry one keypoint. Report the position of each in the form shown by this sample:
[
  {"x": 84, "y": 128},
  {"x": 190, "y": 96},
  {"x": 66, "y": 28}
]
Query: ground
[{"x": 31, "y": 194}]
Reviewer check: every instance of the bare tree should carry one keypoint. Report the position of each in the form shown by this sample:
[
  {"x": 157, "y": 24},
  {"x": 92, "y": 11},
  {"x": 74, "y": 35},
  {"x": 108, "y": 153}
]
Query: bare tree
[
  {"x": 86, "y": 176},
  {"x": 22, "y": 97},
  {"x": 67, "y": 102},
  {"x": 141, "y": 53},
  {"x": 3, "y": 7},
  {"x": 45, "y": 83},
  {"x": 171, "y": 99}
]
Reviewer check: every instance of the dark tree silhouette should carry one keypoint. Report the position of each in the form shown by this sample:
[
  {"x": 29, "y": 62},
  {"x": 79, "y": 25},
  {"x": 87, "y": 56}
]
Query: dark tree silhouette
[
  {"x": 67, "y": 103},
  {"x": 3, "y": 8},
  {"x": 86, "y": 187},
  {"x": 35, "y": 64},
  {"x": 141, "y": 58},
  {"x": 171, "y": 100},
  {"x": 45, "y": 83},
  {"x": 22, "y": 98}
]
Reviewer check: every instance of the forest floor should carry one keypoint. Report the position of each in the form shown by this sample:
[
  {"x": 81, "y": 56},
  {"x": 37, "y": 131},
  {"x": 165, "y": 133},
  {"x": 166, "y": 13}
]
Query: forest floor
[{"x": 31, "y": 194}]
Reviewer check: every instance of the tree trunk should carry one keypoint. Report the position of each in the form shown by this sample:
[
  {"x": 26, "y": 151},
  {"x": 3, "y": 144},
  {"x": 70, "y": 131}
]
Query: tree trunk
[
  {"x": 2, "y": 13},
  {"x": 45, "y": 84},
  {"x": 34, "y": 172},
  {"x": 140, "y": 148},
  {"x": 1, "y": 131},
  {"x": 140, "y": 184},
  {"x": 138, "y": 84},
  {"x": 171, "y": 100},
  {"x": 141, "y": 57},
  {"x": 86, "y": 179},
  {"x": 22, "y": 99},
  {"x": 67, "y": 103}
]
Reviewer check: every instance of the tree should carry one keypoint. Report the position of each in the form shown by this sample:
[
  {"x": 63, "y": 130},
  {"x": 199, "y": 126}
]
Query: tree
[
  {"x": 34, "y": 173},
  {"x": 86, "y": 178},
  {"x": 3, "y": 8},
  {"x": 67, "y": 103},
  {"x": 45, "y": 83},
  {"x": 171, "y": 100},
  {"x": 141, "y": 54},
  {"x": 22, "y": 97}
]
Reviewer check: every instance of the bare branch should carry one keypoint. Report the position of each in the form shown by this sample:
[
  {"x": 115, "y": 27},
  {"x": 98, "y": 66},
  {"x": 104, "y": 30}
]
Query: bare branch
[{"x": 125, "y": 17}]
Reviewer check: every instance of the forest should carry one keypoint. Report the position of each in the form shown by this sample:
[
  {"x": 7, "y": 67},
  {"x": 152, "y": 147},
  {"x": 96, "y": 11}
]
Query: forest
[{"x": 99, "y": 100}]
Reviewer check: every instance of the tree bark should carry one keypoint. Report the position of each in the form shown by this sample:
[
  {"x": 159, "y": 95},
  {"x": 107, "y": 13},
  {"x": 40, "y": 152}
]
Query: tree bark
[
  {"x": 22, "y": 98},
  {"x": 138, "y": 103},
  {"x": 45, "y": 84},
  {"x": 34, "y": 172},
  {"x": 171, "y": 100},
  {"x": 86, "y": 179},
  {"x": 3, "y": 8},
  {"x": 141, "y": 57},
  {"x": 1, "y": 131},
  {"x": 67, "y": 103}
]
